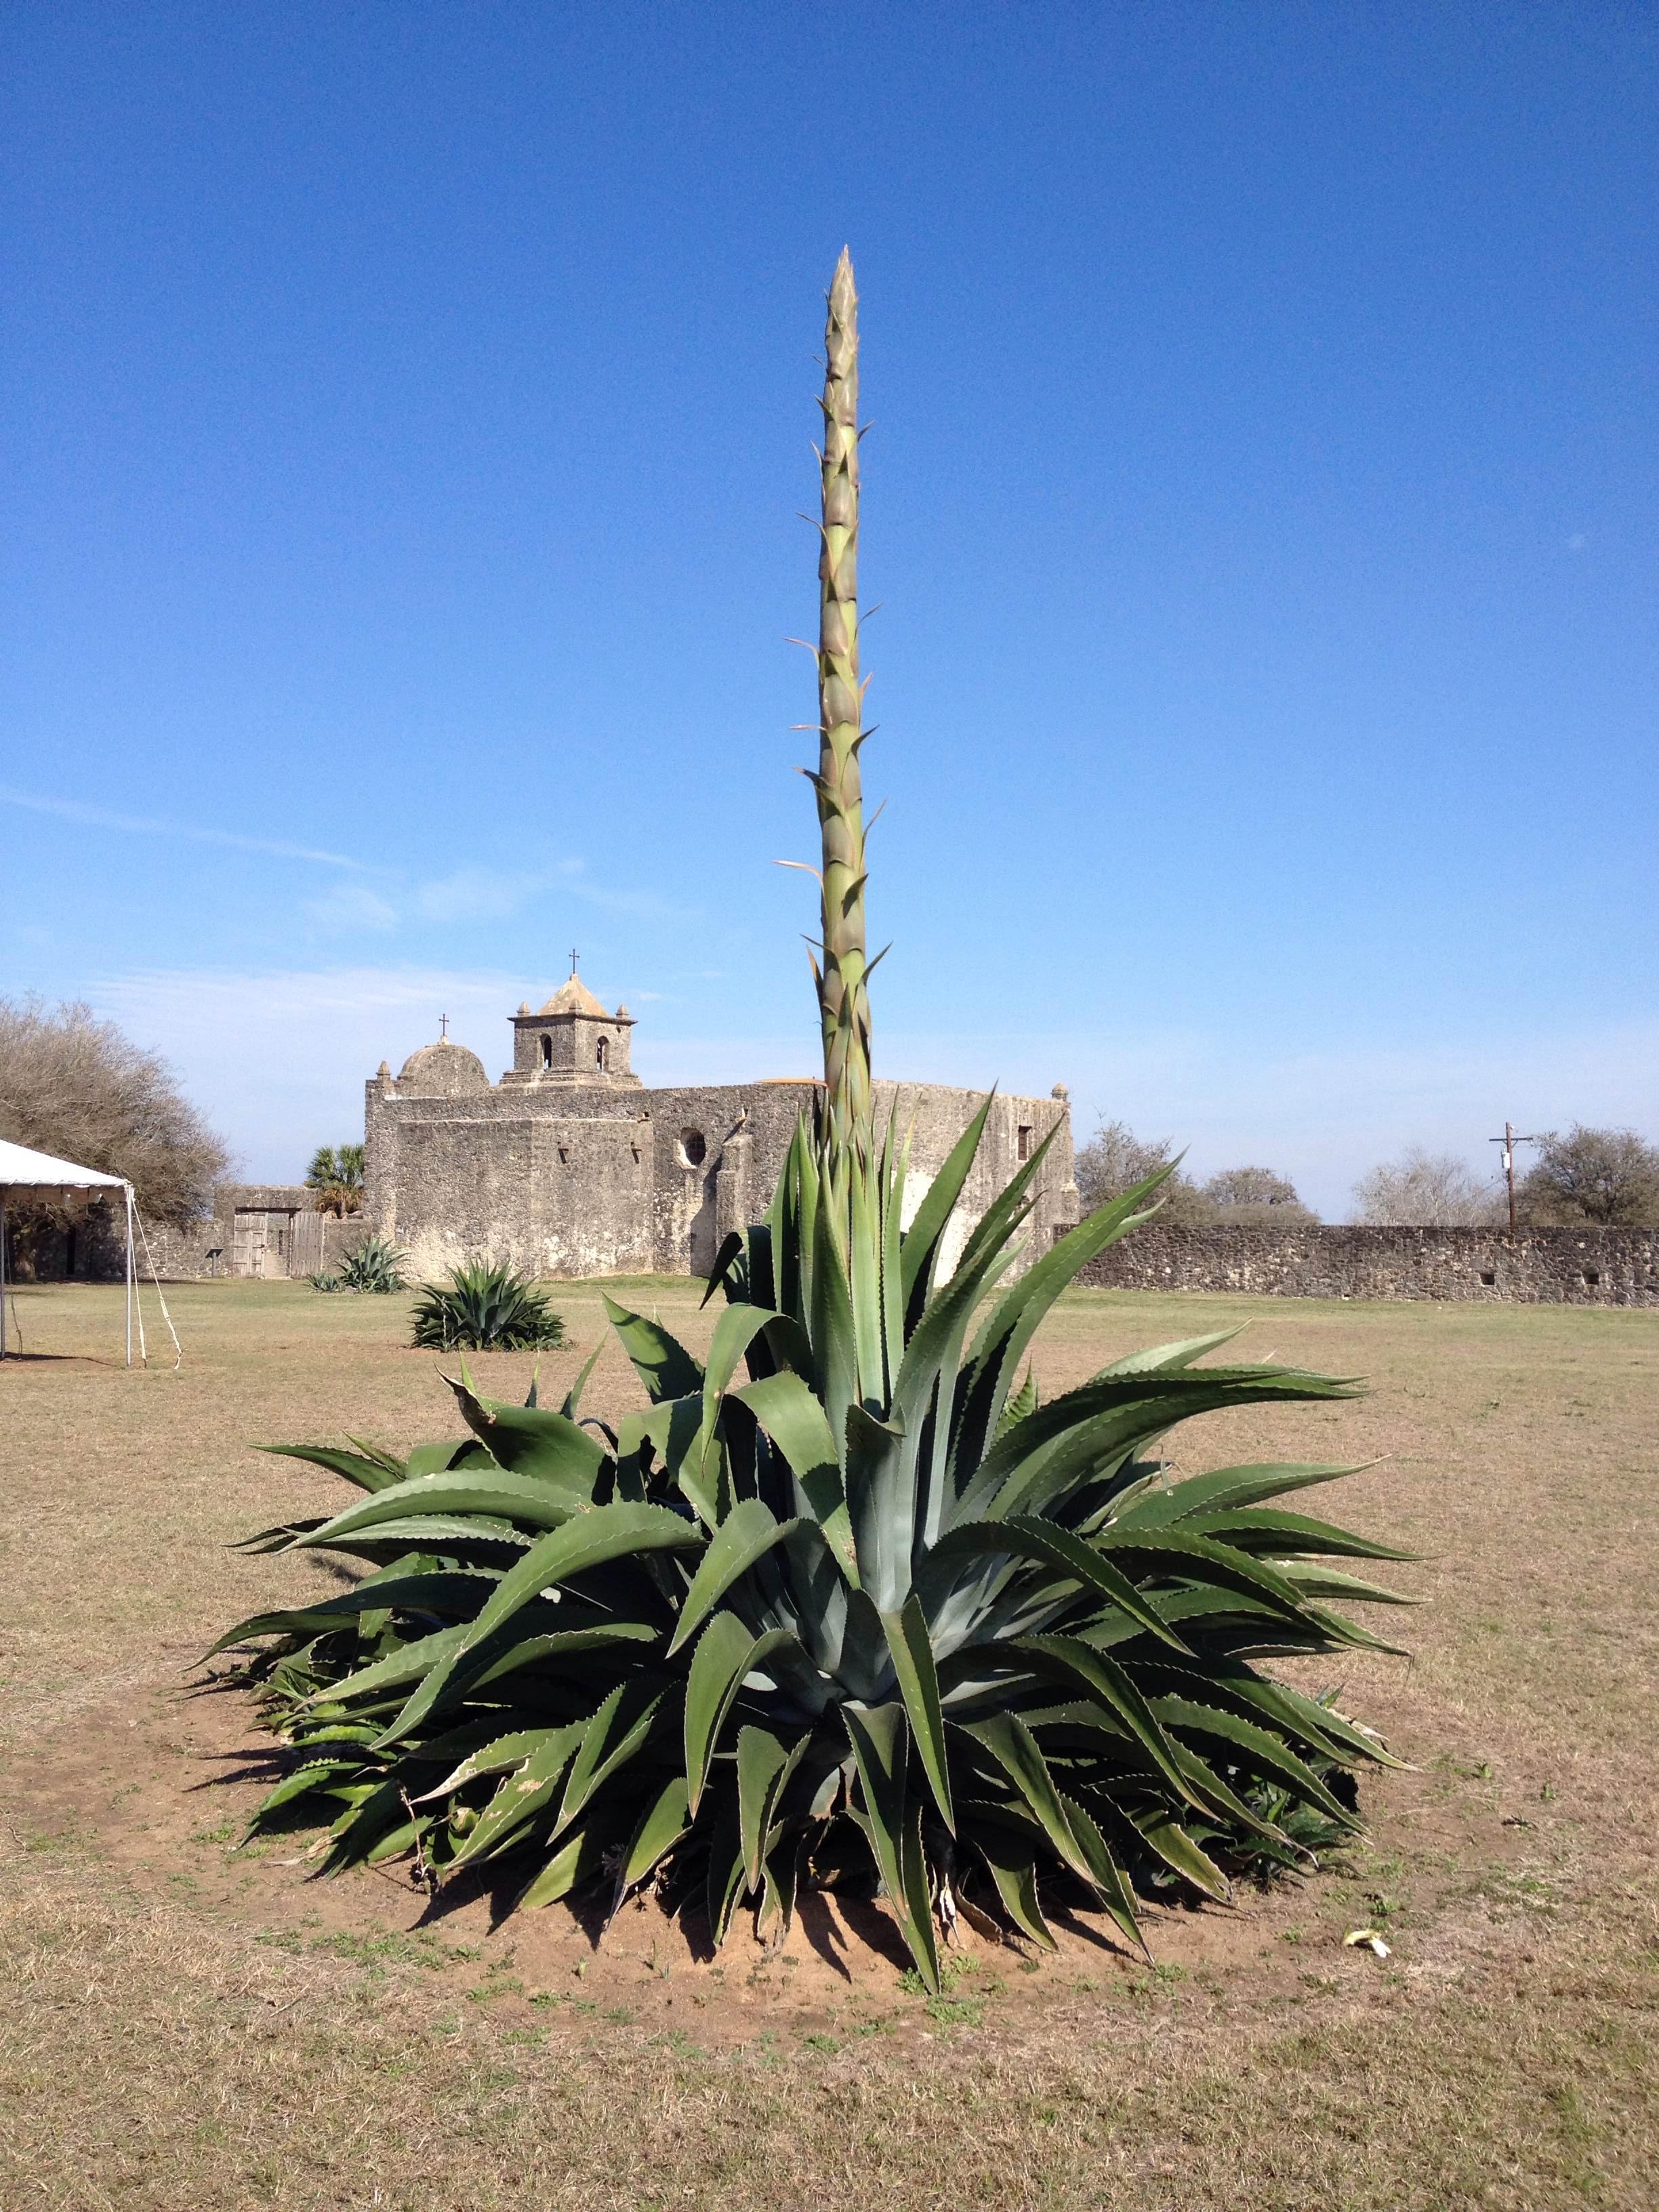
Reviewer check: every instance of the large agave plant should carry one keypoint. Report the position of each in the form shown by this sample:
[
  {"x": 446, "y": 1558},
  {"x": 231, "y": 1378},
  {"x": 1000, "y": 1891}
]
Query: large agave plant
[{"x": 845, "y": 1604}]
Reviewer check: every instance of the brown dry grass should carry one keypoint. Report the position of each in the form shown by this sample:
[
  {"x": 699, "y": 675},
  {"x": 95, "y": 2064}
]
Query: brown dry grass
[{"x": 186, "y": 2028}]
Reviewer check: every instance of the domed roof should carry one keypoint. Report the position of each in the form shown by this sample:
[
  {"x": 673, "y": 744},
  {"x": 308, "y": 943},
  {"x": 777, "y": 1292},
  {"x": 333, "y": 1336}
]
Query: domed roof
[
  {"x": 575, "y": 997},
  {"x": 444, "y": 1070}
]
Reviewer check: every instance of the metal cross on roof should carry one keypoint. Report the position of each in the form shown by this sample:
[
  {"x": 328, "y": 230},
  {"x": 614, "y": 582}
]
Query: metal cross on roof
[
  {"x": 572, "y": 959},
  {"x": 443, "y": 1025}
]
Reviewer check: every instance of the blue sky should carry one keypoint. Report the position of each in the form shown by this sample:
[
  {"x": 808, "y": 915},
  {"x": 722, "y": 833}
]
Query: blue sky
[{"x": 415, "y": 407}]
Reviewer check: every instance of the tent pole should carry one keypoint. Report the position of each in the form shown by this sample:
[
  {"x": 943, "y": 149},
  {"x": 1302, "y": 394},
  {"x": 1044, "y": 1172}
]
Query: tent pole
[{"x": 129, "y": 1192}]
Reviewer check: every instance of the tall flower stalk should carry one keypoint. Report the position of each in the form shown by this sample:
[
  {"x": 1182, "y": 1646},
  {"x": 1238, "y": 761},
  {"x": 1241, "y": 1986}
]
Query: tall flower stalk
[{"x": 843, "y": 997}]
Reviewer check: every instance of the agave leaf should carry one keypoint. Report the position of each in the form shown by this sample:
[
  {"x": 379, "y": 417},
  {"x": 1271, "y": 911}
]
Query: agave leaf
[
  {"x": 557, "y": 1644},
  {"x": 666, "y": 1820},
  {"x": 616, "y": 1732},
  {"x": 748, "y": 1531},
  {"x": 456, "y": 1591},
  {"x": 1010, "y": 1852},
  {"x": 1164, "y": 1834},
  {"x": 1266, "y": 1751},
  {"x": 1018, "y": 1753},
  {"x": 575, "y": 1862},
  {"x": 1226, "y": 1489},
  {"x": 524, "y": 1791},
  {"x": 1162, "y": 1359},
  {"x": 497, "y": 1758},
  {"x": 1104, "y": 1871},
  {"x": 726, "y": 1651},
  {"x": 1282, "y": 1535},
  {"x": 911, "y": 1646},
  {"x": 303, "y": 1778},
  {"x": 534, "y": 1442},
  {"x": 368, "y": 1473},
  {"x": 453, "y": 1535},
  {"x": 779, "y": 1878},
  {"x": 880, "y": 1504},
  {"x": 609, "y": 1532},
  {"x": 671, "y": 1428},
  {"x": 920, "y": 1245},
  {"x": 1200, "y": 1559},
  {"x": 573, "y": 1397},
  {"x": 1236, "y": 1688},
  {"x": 1313, "y": 1581},
  {"x": 794, "y": 1419},
  {"x": 764, "y": 1766},
  {"x": 1052, "y": 1546},
  {"x": 1103, "y": 1679},
  {"x": 661, "y": 1362},
  {"x": 720, "y": 1274},
  {"x": 725, "y": 1879},
  {"x": 1007, "y": 1334},
  {"x": 455, "y": 1451},
  {"x": 835, "y": 1341},
  {"x": 408, "y": 1665},
  {"x": 880, "y": 1737},
  {"x": 497, "y": 1494}
]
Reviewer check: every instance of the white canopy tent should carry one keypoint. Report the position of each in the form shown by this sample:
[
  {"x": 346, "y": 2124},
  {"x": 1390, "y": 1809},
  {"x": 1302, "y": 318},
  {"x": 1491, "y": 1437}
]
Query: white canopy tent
[{"x": 38, "y": 1173}]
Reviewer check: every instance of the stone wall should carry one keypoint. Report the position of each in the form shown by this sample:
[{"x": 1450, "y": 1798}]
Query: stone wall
[
  {"x": 269, "y": 1230},
  {"x": 1540, "y": 1266},
  {"x": 563, "y": 1180}
]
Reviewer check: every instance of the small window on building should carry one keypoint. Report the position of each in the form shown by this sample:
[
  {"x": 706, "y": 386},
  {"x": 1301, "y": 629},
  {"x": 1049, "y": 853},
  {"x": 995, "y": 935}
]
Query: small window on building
[
  {"x": 693, "y": 1148},
  {"x": 1025, "y": 1141},
  {"x": 1592, "y": 1275},
  {"x": 547, "y": 1052},
  {"x": 601, "y": 1051},
  {"x": 1489, "y": 1277}
]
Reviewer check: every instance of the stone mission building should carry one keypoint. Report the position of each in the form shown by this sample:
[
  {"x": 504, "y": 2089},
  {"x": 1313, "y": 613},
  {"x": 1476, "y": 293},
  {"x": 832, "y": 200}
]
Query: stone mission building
[{"x": 570, "y": 1166}]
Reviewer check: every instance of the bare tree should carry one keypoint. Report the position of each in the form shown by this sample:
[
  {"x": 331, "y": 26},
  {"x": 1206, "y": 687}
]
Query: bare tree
[
  {"x": 1115, "y": 1159},
  {"x": 1255, "y": 1198},
  {"x": 75, "y": 1087},
  {"x": 1608, "y": 1177},
  {"x": 1422, "y": 1189}
]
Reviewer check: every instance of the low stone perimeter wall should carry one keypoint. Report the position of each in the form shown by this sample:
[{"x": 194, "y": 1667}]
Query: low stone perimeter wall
[{"x": 1540, "y": 1266}]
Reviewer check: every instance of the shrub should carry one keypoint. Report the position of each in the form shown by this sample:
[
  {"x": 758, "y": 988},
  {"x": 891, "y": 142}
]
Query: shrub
[
  {"x": 486, "y": 1308},
  {"x": 322, "y": 1281}
]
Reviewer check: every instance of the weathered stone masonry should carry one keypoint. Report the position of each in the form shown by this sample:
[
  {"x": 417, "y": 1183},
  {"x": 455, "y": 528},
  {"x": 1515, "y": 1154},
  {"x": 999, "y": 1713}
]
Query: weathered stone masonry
[
  {"x": 570, "y": 1166},
  {"x": 1540, "y": 1266}
]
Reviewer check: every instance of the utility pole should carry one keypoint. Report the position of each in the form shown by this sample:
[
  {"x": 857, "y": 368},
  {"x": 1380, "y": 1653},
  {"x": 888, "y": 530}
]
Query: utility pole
[{"x": 1509, "y": 1141}]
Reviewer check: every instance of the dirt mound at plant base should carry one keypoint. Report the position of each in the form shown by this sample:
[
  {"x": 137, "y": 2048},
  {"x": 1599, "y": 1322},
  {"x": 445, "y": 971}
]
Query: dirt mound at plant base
[{"x": 161, "y": 1795}]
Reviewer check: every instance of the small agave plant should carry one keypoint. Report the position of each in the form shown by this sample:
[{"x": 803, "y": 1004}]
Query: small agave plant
[{"x": 845, "y": 1604}]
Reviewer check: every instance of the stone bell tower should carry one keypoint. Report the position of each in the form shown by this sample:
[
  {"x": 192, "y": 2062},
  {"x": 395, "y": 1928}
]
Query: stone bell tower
[{"x": 572, "y": 1042}]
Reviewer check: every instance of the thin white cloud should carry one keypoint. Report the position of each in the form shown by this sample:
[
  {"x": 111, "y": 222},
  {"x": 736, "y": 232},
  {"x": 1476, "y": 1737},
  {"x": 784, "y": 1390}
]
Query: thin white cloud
[
  {"x": 488, "y": 894},
  {"x": 346, "y": 908},
  {"x": 142, "y": 825}
]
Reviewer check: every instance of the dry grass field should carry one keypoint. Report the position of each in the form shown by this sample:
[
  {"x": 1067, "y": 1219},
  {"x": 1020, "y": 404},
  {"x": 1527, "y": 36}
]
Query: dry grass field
[{"x": 185, "y": 2028}]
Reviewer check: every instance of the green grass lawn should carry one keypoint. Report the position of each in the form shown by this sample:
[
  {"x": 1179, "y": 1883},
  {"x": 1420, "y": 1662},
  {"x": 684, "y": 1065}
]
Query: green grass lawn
[{"x": 185, "y": 2026}]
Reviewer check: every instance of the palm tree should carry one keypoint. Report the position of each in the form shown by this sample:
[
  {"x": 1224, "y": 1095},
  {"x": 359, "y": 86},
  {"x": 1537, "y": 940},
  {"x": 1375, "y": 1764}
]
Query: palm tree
[{"x": 335, "y": 1174}]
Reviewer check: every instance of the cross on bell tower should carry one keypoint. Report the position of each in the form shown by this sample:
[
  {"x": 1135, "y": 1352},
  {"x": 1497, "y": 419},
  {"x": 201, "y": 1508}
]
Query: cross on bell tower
[
  {"x": 572, "y": 959},
  {"x": 443, "y": 1025}
]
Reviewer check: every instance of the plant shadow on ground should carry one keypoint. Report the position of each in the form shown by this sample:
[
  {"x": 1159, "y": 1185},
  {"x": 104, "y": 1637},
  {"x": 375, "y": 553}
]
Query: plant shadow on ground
[{"x": 191, "y": 2024}]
